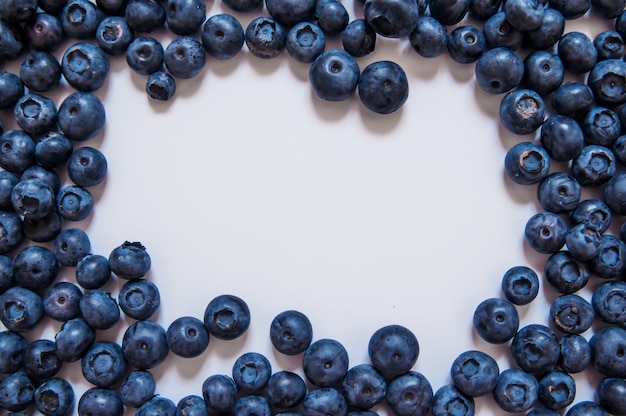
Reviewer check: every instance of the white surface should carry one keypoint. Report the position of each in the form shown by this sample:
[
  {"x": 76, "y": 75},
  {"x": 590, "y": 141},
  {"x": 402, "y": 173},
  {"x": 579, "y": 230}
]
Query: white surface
[{"x": 246, "y": 183}]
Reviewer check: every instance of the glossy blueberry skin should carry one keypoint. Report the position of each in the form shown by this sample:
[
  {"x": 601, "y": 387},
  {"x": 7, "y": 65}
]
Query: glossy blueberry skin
[
  {"x": 586, "y": 408},
  {"x": 35, "y": 267},
  {"x": 285, "y": 390},
  {"x": 87, "y": 166},
  {"x": 139, "y": 298},
  {"x": 615, "y": 193},
  {"x": 595, "y": 166},
  {"x": 449, "y": 399},
  {"x": 601, "y": 126},
  {"x": 54, "y": 397},
  {"x": 564, "y": 273},
  {"x": 40, "y": 71},
  {"x": 144, "y": 16},
  {"x": 137, "y": 388},
  {"x": 18, "y": 11},
  {"x": 562, "y": 137},
  {"x": 130, "y": 260},
  {"x": 607, "y": 81},
  {"x": 187, "y": 337},
  {"x": 573, "y": 99},
  {"x": 571, "y": 314},
  {"x": 393, "y": 18},
  {"x": 291, "y": 332},
  {"x": 606, "y": 346},
  {"x": 7, "y": 278},
  {"x": 220, "y": 393},
  {"x": 113, "y": 35},
  {"x": 611, "y": 261},
  {"x": 35, "y": 114},
  {"x": 575, "y": 354},
  {"x": 53, "y": 150},
  {"x": 265, "y": 37},
  {"x": 545, "y": 232},
  {"x": 145, "y": 344},
  {"x": 358, "y": 38},
  {"x": 524, "y": 15},
  {"x": 522, "y": 111},
  {"x": 611, "y": 394},
  {"x": 583, "y": 242},
  {"x": 535, "y": 348},
  {"x": 498, "y": 32},
  {"x": 520, "y": 285},
  {"x": 449, "y": 12},
  {"x": 516, "y": 390},
  {"x": 32, "y": 198},
  {"x": 73, "y": 340},
  {"x": 619, "y": 149},
  {"x": 410, "y": 394},
  {"x": 191, "y": 405},
  {"x": 21, "y": 309},
  {"x": 305, "y": 41},
  {"x": 577, "y": 52},
  {"x": 363, "y": 387},
  {"x": 11, "y": 89},
  {"x": 609, "y": 45},
  {"x": 144, "y": 55},
  {"x": 11, "y": 40},
  {"x": 608, "y": 301},
  {"x": 252, "y": 405},
  {"x": 543, "y": 72},
  {"x": 227, "y": 317},
  {"x": 158, "y": 405},
  {"x": 93, "y": 271},
  {"x": 17, "y": 391},
  {"x": 7, "y": 182},
  {"x": 12, "y": 349},
  {"x": 383, "y": 87},
  {"x": 484, "y": 9},
  {"x": 160, "y": 86},
  {"x": 608, "y": 9},
  {"x": 85, "y": 66},
  {"x": 393, "y": 350},
  {"x": 331, "y": 16},
  {"x": 12, "y": 231},
  {"x": 326, "y": 401},
  {"x": 40, "y": 361},
  {"x": 571, "y": 9},
  {"x": 74, "y": 203},
  {"x": 103, "y": 364},
  {"x": 499, "y": 70},
  {"x": 222, "y": 36},
  {"x": 289, "y": 12},
  {"x": 559, "y": 192},
  {"x": 49, "y": 176},
  {"x": 466, "y": 44},
  {"x": 185, "y": 17},
  {"x": 184, "y": 57},
  {"x": 81, "y": 116},
  {"x": 548, "y": 33},
  {"x": 496, "y": 320},
  {"x": 80, "y": 19},
  {"x": 429, "y": 37},
  {"x": 61, "y": 301},
  {"x": 334, "y": 75},
  {"x": 556, "y": 390},
  {"x": 71, "y": 245},
  {"x": 251, "y": 372},
  {"x": 99, "y": 401},
  {"x": 325, "y": 362},
  {"x": 99, "y": 309},
  {"x": 44, "y": 32},
  {"x": 17, "y": 151},
  {"x": 474, "y": 373}
]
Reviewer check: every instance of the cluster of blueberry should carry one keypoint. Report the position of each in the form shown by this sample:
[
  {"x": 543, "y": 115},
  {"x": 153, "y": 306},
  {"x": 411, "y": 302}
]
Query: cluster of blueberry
[{"x": 584, "y": 133}]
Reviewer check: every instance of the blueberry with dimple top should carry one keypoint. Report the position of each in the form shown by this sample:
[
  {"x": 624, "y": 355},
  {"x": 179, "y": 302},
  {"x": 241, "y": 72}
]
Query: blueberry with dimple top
[
  {"x": 522, "y": 111},
  {"x": 611, "y": 260},
  {"x": 61, "y": 301},
  {"x": 145, "y": 55},
  {"x": 334, "y": 75},
  {"x": 103, "y": 364},
  {"x": 609, "y": 44},
  {"x": 496, "y": 320},
  {"x": 191, "y": 405},
  {"x": 187, "y": 337},
  {"x": 607, "y": 81},
  {"x": 410, "y": 394},
  {"x": 44, "y": 32},
  {"x": 17, "y": 151},
  {"x": 54, "y": 397},
  {"x": 516, "y": 390},
  {"x": 391, "y": 18},
  {"x": 609, "y": 302},
  {"x": 87, "y": 166},
  {"x": 222, "y": 36},
  {"x": 594, "y": 166},
  {"x": 16, "y": 391},
  {"x": 557, "y": 390},
  {"x": 393, "y": 350},
  {"x": 145, "y": 344},
  {"x": 139, "y": 298},
  {"x": 545, "y": 232},
  {"x": 448, "y": 399},
  {"x": 543, "y": 72},
  {"x": 80, "y": 19},
  {"x": 474, "y": 373},
  {"x": 571, "y": 314},
  {"x": 520, "y": 285},
  {"x": 227, "y": 317},
  {"x": 466, "y": 44},
  {"x": 184, "y": 57},
  {"x": 33, "y": 198},
  {"x": 160, "y": 86},
  {"x": 535, "y": 348},
  {"x": 499, "y": 32},
  {"x": 100, "y": 401},
  {"x": 291, "y": 332},
  {"x": 113, "y": 35},
  {"x": 85, "y": 66},
  {"x": 305, "y": 41},
  {"x": 40, "y": 360},
  {"x": 265, "y": 37},
  {"x": 383, "y": 87},
  {"x": 20, "y": 309},
  {"x": 565, "y": 273},
  {"x": 325, "y": 362},
  {"x": 35, "y": 114},
  {"x": 559, "y": 192},
  {"x": 583, "y": 242},
  {"x": 363, "y": 387},
  {"x": 251, "y": 372},
  {"x": 74, "y": 203}
]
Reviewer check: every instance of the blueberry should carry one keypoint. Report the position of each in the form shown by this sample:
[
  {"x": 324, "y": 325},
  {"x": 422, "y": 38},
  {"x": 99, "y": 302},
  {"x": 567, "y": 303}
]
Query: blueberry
[
  {"x": 80, "y": 19},
  {"x": 305, "y": 41},
  {"x": 184, "y": 57},
  {"x": 575, "y": 354},
  {"x": 11, "y": 231},
  {"x": 145, "y": 344},
  {"x": 40, "y": 360},
  {"x": 545, "y": 232},
  {"x": 35, "y": 267},
  {"x": 85, "y": 66},
  {"x": 81, "y": 116},
  {"x": 53, "y": 150},
  {"x": 392, "y": 18},
  {"x": 33, "y": 198},
  {"x": 73, "y": 340},
  {"x": 383, "y": 87},
  {"x": 499, "y": 70},
  {"x": 466, "y": 44},
  {"x": 324, "y": 401},
  {"x": 71, "y": 245},
  {"x": 496, "y": 320},
  {"x": 542, "y": 411},
  {"x": 615, "y": 193},
  {"x": 428, "y": 38},
  {"x": 87, "y": 166},
  {"x": 289, "y": 12},
  {"x": 74, "y": 203},
  {"x": 449, "y": 12},
  {"x": 251, "y": 372},
  {"x": 583, "y": 242},
  {"x": 516, "y": 390},
  {"x": 594, "y": 166},
  {"x": 92, "y": 271},
  {"x": 139, "y": 299},
  {"x": 265, "y": 37},
  {"x": 138, "y": 387},
  {"x": 130, "y": 260},
  {"x": 474, "y": 373},
  {"x": 17, "y": 151},
  {"x": 220, "y": 393},
  {"x": 358, "y": 38},
  {"x": 12, "y": 349},
  {"x": 559, "y": 192},
  {"x": 564, "y": 273},
  {"x": 484, "y": 9},
  {"x": 252, "y": 405},
  {"x": 548, "y": 33},
  {"x": 291, "y": 332},
  {"x": 61, "y": 301},
  {"x": 334, "y": 75},
  {"x": 524, "y": 15},
  {"x": 607, "y": 351},
  {"x": 100, "y": 401},
  {"x": 227, "y": 317},
  {"x": 222, "y": 36},
  {"x": 619, "y": 149},
  {"x": 449, "y": 399},
  {"x": 158, "y": 405},
  {"x": 191, "y": 405},
  {"x": 410, "y": 394},
  {"x": 498, "y": 32},
  {"x": 586, "y": 408},
  {"x": 393, "y": 350},
  {"x": 363, "y": 387},
  {"x": 571, "y": 314},
  {"x": 601, "y": 126},
  {"x": 11, "y": 40},
  {"x": 40, "y": 71},
  {"x": 285, "y": 390},
  {"x": 572, "y": 99},
  {"x": 112, "y": 7},
  {"x": 160, "y": 86},
  {"x": 556, "y": 390},
  {"x": 44, "y": 32},
  {"x": 562, "y": 137},
  {"x": 611, "y": 260},
  {"x": 187, "y": 337},
  {"x": 609, "y": 302},
  {"x": 543, "y": 72},
  {"x": 35, "y": 114},
  {"x": 144, "y": 16},
  {"x": 7, "y": 182},
  {"x": 325, "y": 362},
  {"x": 11, "y": 89},
  {"x": 54, "y": 397},
  {"x": 535, "y": 348},
  {"x": 18, "y": 11},
  {"x": 520, "y": 285},
  {"x": 145, "y": 55},
  {"x": 185, "y": 17},
  {"x": 611, "y": 393},
  {"x": 17, "y": 391},
  {"x": 607, "y": 81},
  {"x": 571, "y": 9},
  {"x": 49, "y": 176},
  {"x": 113, "y": 35},
  {"x": 577, "y": 52},
  {"x": 103, "y": 364},
  {"x": 522, "y": 111},
  {"x": 331, "y": 16},
  {"x": 608, "y": 9},
  {"x": 20, "y": 309},
  {"x": 609, "y": 45},
  {"x": 99, "y": 309}
]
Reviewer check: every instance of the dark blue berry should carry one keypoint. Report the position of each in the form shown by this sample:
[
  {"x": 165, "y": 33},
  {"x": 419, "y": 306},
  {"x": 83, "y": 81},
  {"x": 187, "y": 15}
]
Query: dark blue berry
[
  {"x": 571, "y": 9},
  {"x": 227, "y": 317},
  {"x": 520, "y": 285},
  {"x": 571, "y": 314},
  {"x": 524, "y": 15},
  {"x": 103, "y": 364},
  {"x": 40, "y": 71},
  {"x": 137, "y": 388},
  {"x": 475, "y": 373},
  {"x": 577, "y": 52},
  {"x": 251, "y": 372},
  {"x": 100, "y": 401},
  {"x": 325, "y": 363},
  {"x": 289, "y": 12},
  {"x": 607, "y": 81},
  {"x": 331, "y": 16},
  {"x": 291, "y": 332},
  {"x": 496, "y": 320},
  {"x": 559, "y": 192},
  {"x": 191, "y": 405},
  {"x": 113, "y": 35},
  {"x": 363, "y": 387},
  {"x": 410, "y": 394},
  {"x": 130, "y": 260},
  {"x": 305, "y": 41},
  {"x": 448, "y": 399},
  {"x": 383, "y": 87},
  {"x": 252, "y": 405},
  {"x": 499, "y": 70},
  {"x": 545, "y": 232},
  {"x": 35, "y": 267},
  {"x": 81, "y": 116},
  {"x": 87, "y": 166},
  {"x": 522, "y": 111},
  {"x": 324, "y": 401},
  {"x": 17, "y": 151},
  {"x": 44, "y": 32},
  {"x": 158, "y": 405},
  {"x": 71, "y": 245},
  {"x": 33, "y": 198},
  {"x": 428, "y": 38},
  {"x": 393, "y": 350},
  {"x": 611, "y": 395},
  {"x": 565, "y": 273},
  {"x": 160, "y": 86},
  {"x": 139, "y": 298},
  {"x": 74, "y": 203},
  {"x": 53, "y": 150},
  {"x": 145, "y": 55},
  {"x": 449, "y": 12},
  {"x": 573, "y": 99},
  {"x": 516, "y": 390},
  {"x": 358, "y": 38},
  {"x": 12, "y": 349},
  {"x": 222, "y": 36},
  {"x": 562, "y": 137},
  {"x": 583, "y": 242},
  {"x": 609, "y": 45},
  {"x": 54, "y": 397},
  {"x": 20, "y": 309},
  {"x": 185, "y": 17},
  {"x": 594, "y": 166},
  {"x": 548, "y": 33},
  {"x": 220, "y": 393},
  {"x": 99, "y": 309},
  {"x": 187, "y": 337},
  {"x": 40, "y": 360},
  {"x": 466, "y": 44},
  {"x": 93, "y": 271},
  {"x": 575, "y": 353},
  {"x": 61, "y": 301},
  {"x": 80, "y": 19},
  {"x": 17, "y": 391},
  {"x": 609, "y": 302},
  {"x": 73, "y": 340},
  {"x": 392, "y": 18},
  {"x": 543, "y": 72},
  {"x": 557, "y": 390},
  {"x": 607, "y": 351},
  {"x": 334, "y": 75},
  {"x": 498, "y": 32},
  {"x": 265, "y": 37},
  {"x": 144, "y": 16},
  {"x": 285, "y": 390},
  {"x": 11, "y": 89},
  {"x": 611, "y": 260},
  {"x": 145, "y": 344}
]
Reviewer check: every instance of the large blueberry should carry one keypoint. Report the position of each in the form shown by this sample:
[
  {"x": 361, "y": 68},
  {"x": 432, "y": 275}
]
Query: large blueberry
[
  {"x": 499, "y": 32},
  {"x": 20, "y": 309},
  {"x": 101, "y": 402},
  {"x": 17, "y": 151},
  {"x": 184, "y": 57},
  {"x": 138, "y": 387},
  {"x": 609, "y": 302},
  {"x": 607, "y": 351},
  {"x": 99, "y": 309},
  {"x": 54, "y": 397},
  {"x": 139, "y": 298},
  {"x": 130, "y": 260},
  {"x": 324, "y": 401},
  {"x": 289, "y": 12},
  {"x": 305, "y": 41},
  {"x": 516, "y": 390},
  {"x": 227, "y": 317},
  {"x": 185, "y": 17},
  {"x": 80, "y": 19},
  {"x": 383, "y": 87},
  {"x": 81, "y": 116},
  {"x": 291, "y": 332},
  {"x": 220, "y": 393},
  {"x": 449, "y": 399},
  {"x": 73, "y": 340},
  {"x": 475, "y": 373},
  {"x": 559, "y": 192},
  {"x": 393, "y": 350},
  {"x": 222, "y": 36},
  {"x": 144, "y": 55},
  {"x": 61, "y": 301},
  {"x": 12, "y": 349},
  {"x": 577, "y": 52},
  {"x": 410, "y": 394},
  {"x": 358, "y": 38},
  {"x": 575, "y": 353},
  {"x": 187, "y": 337},
  {"x": 520, "y": 285},
  {"x": 325, "y": 362},
  {"x": 571, "y": 314},
  {"x": 499, "y": 70},
  {"x": 564, "y": 273},
  {"x": 466, "y": 43},
  {"x": 429, "y": 37},
  {"x": 334, "y": 75},
  {"x": 496, "y": 320},
  {"x": 251, "y": 372},
  {"x": 449, "y": 12},
  {"x": 562, "y": 137},
  {"x": 557, "y": 390},
  {"x": 543, "y": 72},
  {"x": 611, "y": 393},
  {"x": 40, "y": 71},
  {"x": 145, "y": 344},
  {"x": 265, "y": 37},
  {"x": 44, "y": 32},
  {"x": 522, "y": 111},
  {"x": 74, "y": 203},
  {"x": 391, "y": 18},
  {"x": 113, "y": 35},
  {"x": 285, "y": 390},
  {"x": 85, "y": 66},
  {"x": 364, "y": 387},
  {"x": 40, "y": 360},
  {"x": 535, "y": 348},
  {"x": 545, "y": 232},
  {"x": 607, "y": 80}
]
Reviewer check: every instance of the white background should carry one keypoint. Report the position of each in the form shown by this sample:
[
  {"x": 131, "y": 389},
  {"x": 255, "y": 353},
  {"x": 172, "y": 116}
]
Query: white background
[{"x": 246, "y": 183}]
